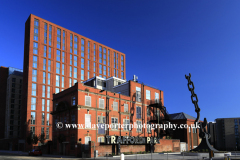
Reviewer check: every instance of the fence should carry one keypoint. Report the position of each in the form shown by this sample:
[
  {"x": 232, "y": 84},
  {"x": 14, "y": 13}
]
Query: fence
[{"x": 163, "y": 156}]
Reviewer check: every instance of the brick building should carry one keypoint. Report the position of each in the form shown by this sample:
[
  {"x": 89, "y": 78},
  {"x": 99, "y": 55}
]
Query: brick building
[
  {"x": 189, "y": 135},
  {"x": 55, "y": 59},
  {"x": 10, "y": 110},
  {"x": 91, "y": 103}
]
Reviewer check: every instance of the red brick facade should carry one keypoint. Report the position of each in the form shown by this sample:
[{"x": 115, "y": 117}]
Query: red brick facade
[
  {"x": 64, "y": 109},
  {"x": 35, "y": 33}
]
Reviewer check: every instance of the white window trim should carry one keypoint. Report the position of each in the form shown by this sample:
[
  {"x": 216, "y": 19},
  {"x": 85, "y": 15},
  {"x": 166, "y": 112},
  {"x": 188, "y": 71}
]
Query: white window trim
[
  {"x": 116, "y": 107},
  {"x": 100, "y": 99},
  {"x": 147, "y": 94},
  {"x": 87, "y": 125},
  {"x": 138, "y": 126},
  {"x": 127, "y": 107},
  {"x": 86, "y": 101}
]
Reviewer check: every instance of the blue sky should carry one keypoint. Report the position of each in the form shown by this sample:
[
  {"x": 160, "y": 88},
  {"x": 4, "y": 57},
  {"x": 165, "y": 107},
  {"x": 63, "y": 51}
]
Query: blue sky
[{"x": 162, "y": 40}]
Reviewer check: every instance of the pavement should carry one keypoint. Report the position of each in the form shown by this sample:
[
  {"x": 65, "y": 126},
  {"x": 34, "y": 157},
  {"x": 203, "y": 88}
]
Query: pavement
[{"x": 13, "y": 155}]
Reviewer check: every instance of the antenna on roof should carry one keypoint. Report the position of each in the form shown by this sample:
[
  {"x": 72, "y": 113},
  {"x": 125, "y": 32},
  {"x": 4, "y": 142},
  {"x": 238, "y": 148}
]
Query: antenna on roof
[{"x": 135, "y": 78}]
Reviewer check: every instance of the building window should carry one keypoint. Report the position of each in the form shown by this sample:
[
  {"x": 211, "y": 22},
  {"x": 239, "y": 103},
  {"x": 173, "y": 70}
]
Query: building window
[
  {"x": 33, "y": 117},
  {"x": 59, "y": 38},
  {"x": 122, "y": 63},
  {"x": 43, "y": 104},
  {"x": 62, "y": 69},
  {"x": 32, "y": 130},
  {"x": 122, "y": 75},
  {"x": 73, "y": 101},
  {"x": 100, "y": 54},
  {"x": 82, "y": 74},
  {"x": 43, "y": 91},
  {"x": 75, "y": 61},
  {"x": 33, "y": 103},
  {"x": 49, "y": 52},
  {"x": 88, "y": 75},
  {"x": 87, "y": 139},
  {"x": 63, "y": 42},
  {"x": 94, "y": 67},
  {"x": 48, "y": 92},
  {"x": 35, "y": 48},
  {"x": 75, "y": 44},
  {"x": 108, "y": 71},
  {"x": 101, "y": 123},
  {"x": 43, "y": 118},
  {"x": 87, "y": 120},
  {"x": 117, "y": 60},
  {"x": 45, "y": 51},
  {"x": 34, "y": 89},
  {"x": 62, "y": 82},
  {"x": 70, "y": 82},
  {"x": 49, "y": 78},
  {"x": 47, "y": 133},
  {"x": 36, "y": 24},
  {"x": 88, "y": 50},
  {"x": 100, "y": 69},
  {"x": 139, "y": 112},
  {"x": 34, "y": 75},
  {"x": 34, "y": 61},
  {"x": 125, "y": 107},
  {"x": 75, "y": 73},
  {"x": 138, "y": 94},
  {"x": 94, "y": 52},
  {"x": 56, "y": 90},
  {"x": 108, "y": 57},
  {"x": 115, "y": 106},
  {"x": 50, "y": 35},
  {"x": 104, "y": 56},
  {"x": 63, "y": 57},
  {"x": 139, "y": 126},
  {"x": 58, "y": 68},
  {"x": 71, "y": 42},
  {"x": 48, "y": 105},
  {"x": 49, "y": 65},
  {"x": 148, "y": 94},
  {"x": 88, "y": 101},
  {"x": 44, "y": 64},
  {"x": 82, "y": 63},
  {"x": 82, "y": 47},
  {"x": 114, "y": 59},
  {"x": 104, "y": 70},
  {"x": 45, "y": 33},
  {"x": 101, "y": 139},
  {"x": 58, "y": 55},
  {"x": 114, "y": 123},
  {"x": 126, "y": 123},
  {"x": 70, "y": 71},
  {"x": 42, "y": 130},
  {"x": 44, "y": 77},
  {"x": 156, "y": 97},
  {"x": 57, "y": 80},
  {"x": 101, "y": 103},
  {"x": 70, "y": 59},
  {"x": 48, "y": 119}
]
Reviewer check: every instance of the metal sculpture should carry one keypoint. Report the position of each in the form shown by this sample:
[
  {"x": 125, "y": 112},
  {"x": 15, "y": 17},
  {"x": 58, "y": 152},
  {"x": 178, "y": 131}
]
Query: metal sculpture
[{"x": 204, "y": 145}]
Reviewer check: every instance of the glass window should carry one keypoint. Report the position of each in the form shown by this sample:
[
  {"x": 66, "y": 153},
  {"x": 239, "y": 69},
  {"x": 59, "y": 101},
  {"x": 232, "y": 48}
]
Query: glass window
[
  {"x": 88, "y": 75},
  {"x": 101, "y": 103},
  {"x": 49, "y": 52},
  {"x": 87, "y": 120},
  {"x": 82, "y": 47},
  {"x": 48, "y": 105},
  {"x": 148, "y": 94},
  {"x": 62, "y": 82},
  {"x": 75, "y": 61},
  {"x": 71, "y": 42},
  {"x": 82, "y": 62},
  {"x": 156, "y": 97},
  {"x": 44, "y": 64},
  {"x": 100, "y": 54},
  {"x": 45, "y": 33},
  {"x": 70, "y": 82},
  {"x": 125, "y": 107},
  {"x": 73, "y": 100},
  {"x": 59, "y": 38},
  {"x": 36, "y": 23},
  {"x": 47, "y": 133},
  {"x": 115, "y": 106},
  {"x": 62, "y": 69},
  {"x": 75, "y": 44},
  {"x": 34, "y": 88},
  {"x": 104, "y": 70},
  {"x": 58, "y": 55},
  {"x": 50, "y": 35},
  {"x": 56, "y": 90},
  {"x": 88, "y": 101},
  {"x": 122, "y": 75},
  {"x": 63, "y": 42},
  {"x": 49, "y": 65},
  {"x": 43, "y": 104},
  {"x": 45, "y": 51},
  {"x": 58, "y": 68},
  {"x": 100, "y": 69},
  {"x": 104, "y": 56},
  {"x": 139, "y": 113},
  {"x": 34, "y": 75},
  {"x": 33, "y": 103},
  {"x": 43, "y": 91},
  {"x": 138, "y": 94},
  {"x": 48, "y": 119},
  {"x": 34, "y": 61},
  {"x": 70, "y": 73},
  {"x": 63, "y": 57},
  {"x": 35, "y": 48},
  {"x": 114, "y": 123},
  {"x": 88, "y": 50},
  {"x": 126, "y": 123},
  {"x": 48, "y": 92},
  {"x": 33, "y": 115},
  {"x": 49, "y": 78},
  {"x": 75, "y": 73},
  {"x": 43, "y": 118},
  {"x": 82, "y": 74},
  {"x": 44, "y": 77},
  {"x": 139, "y": 126},
  {"x": 108, "y": 57},
  {"x": 57, "y": 80}
]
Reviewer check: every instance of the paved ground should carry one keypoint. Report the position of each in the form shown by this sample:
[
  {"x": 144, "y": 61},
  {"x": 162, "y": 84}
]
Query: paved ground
[{"x": 15, "y": 155}]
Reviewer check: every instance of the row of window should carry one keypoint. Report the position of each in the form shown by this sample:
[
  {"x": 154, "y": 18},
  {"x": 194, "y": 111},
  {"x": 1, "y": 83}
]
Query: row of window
[
  {"x": 32, "y": 130},
  {"x": 33, "y": 118},
  {"x": 33, "y": 104}
]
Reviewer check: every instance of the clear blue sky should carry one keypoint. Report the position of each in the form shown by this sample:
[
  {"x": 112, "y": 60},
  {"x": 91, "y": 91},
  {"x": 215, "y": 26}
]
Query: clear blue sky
[{"x": 162, "y": 40}]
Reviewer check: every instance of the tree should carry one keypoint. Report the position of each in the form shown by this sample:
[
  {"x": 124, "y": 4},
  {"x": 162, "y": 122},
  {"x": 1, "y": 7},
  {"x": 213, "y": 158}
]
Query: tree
[
  {"x": 42, "y": 137},
  {"x": 29, "y": 139},
  {"x": 35, "y": 139}
]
